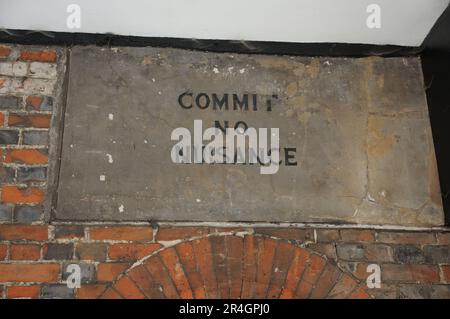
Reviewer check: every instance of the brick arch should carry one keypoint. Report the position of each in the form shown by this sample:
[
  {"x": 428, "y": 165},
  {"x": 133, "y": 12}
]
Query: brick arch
[{"x": 231, "y": 266}]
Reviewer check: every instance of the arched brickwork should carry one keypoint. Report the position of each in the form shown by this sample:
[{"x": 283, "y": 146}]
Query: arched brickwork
[{"x": 231, "y": 266}]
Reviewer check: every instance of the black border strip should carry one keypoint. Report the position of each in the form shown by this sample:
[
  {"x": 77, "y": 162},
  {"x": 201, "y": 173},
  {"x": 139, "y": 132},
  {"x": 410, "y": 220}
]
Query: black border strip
[
  {"x": 436, "y": 72},
  {"x": 249, "y": 47}
]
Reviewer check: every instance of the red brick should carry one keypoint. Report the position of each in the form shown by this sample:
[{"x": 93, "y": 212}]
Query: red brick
[
  {"x": 357, "y": 235},
  {"x": 203, "y": 252},
  {"x": 266, "y": 251},
  {"x": 310, "y": 276},
  {"x": 26, "y": 156},
  {"x": 35, "y": 102},
  {"x": 327, "y": 235},
  {"x": 173, "y": 233},
  {"x": 3, "y": 251},
  {"x": 121, "y": 233},
  {"x": 16, "y": 195},
  {"x": 23, "y": 232},
  {"x": 446, "y": 273},
  {"x": 88, "y": 251},
  {"x": 359, "y": 293},
  {"x": 281, "y": 263},
  {"x": 161, "y": 277},
  {"x": 170, "y": 259},
  {"x": 25, "y": 252},
  {"x": 23, "y": 292},
  {"x": 131, "y": 251},
  {"x": 110, "y": 293},
  {"x": 42, "y": 56},
  {"x": 250, "y": 255},
  {"x": 5, "y": 51},
  {"x": 90, "y": 291},
  {"x": 145, "y": 282},
  {"x": 235, "y": 249},
  {"x": 379, "y": 253},
  {"x": 406, "y": 238},
  {"x": 410, "y": 273},
  {"x": 128, "y": 289},
  {"x": 37, "y": 121},
  {"x": 2, "y": 119},
  {"x": 443, "y": 238},
  {"x": 219, "y": 255},
  {"x": 294, "y": 273},
  {"x": 327, "y": 280},
  {"x": 29, "y": 272},
  {"x": 109, "y": 271},
  {"x": 188, "y": 260},
  {"x": 343, "y": 287},
  {"x": 288, "y": 233}
]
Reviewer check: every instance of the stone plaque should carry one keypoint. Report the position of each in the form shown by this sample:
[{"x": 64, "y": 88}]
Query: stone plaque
[{"x": 354, "y": 139}]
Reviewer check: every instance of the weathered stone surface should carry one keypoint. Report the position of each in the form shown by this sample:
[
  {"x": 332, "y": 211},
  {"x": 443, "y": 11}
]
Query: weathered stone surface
[{"x": 360, "y": 128}]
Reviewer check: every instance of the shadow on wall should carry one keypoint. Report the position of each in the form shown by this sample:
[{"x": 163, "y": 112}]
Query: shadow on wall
[{"x": 436, "y": 70}]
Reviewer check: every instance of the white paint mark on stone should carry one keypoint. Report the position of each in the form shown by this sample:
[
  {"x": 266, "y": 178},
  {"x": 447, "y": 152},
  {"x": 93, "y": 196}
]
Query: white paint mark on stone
[
  {"x": 71, "y": 145},
  {"x": 153, "y": 80},
  {"x": 241, "y": 71},
  {"x": 92, "y": 106},
  {"x": 327, "y": 63},
  {"x": 121, "y": 208},
  {"x": 145, "y": 141},
  {"x": 111, "y": 116},
  {"x": 102, "y": 178},
  {"x": 110, "y": 159},
  {"x": 159, "y": 92},
  {"x": 198, "y": 200}
]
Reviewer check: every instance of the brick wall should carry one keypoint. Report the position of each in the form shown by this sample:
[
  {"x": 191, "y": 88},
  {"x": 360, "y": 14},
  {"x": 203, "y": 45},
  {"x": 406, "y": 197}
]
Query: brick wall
[
  {"x": 28, "y": 87},
  {"x": 157, "y": 260}
]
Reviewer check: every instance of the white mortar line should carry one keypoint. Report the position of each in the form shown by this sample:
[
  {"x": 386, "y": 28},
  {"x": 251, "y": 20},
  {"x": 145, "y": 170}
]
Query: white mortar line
[{"x": 256, "y": 225}]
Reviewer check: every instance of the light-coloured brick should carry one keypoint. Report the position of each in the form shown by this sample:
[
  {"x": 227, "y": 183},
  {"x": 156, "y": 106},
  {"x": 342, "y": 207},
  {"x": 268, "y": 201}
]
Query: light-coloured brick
[
  {"x": 38, "y": 86},
  {"x": 42, "y": 70},
  {"x": 18, "y": 69}
]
